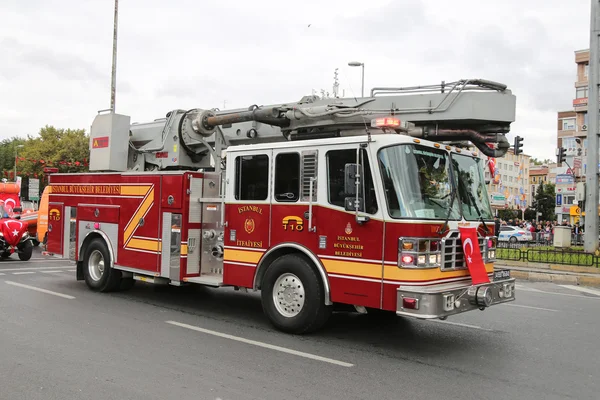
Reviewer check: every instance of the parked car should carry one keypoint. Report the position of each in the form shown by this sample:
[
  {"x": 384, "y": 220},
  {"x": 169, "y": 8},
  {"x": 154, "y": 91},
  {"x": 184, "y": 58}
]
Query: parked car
[{"x": 514, "y": 234}]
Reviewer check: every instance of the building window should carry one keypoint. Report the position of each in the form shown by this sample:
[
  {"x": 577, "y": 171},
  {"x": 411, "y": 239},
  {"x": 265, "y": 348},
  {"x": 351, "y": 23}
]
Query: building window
[
  {"x": 287, "y": 177},
  {"x": 585, "y": 119},
  {"x": 336, "y": 164},
  {"x": 586, "y": 70},
  {"x": 252, "y": 177},
  {"x": 568, "y": 124},
  {"x": 581, "y": 92}
]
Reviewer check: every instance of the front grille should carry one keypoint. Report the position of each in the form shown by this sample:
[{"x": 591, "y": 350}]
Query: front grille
[{"x": 453, "y": 256}]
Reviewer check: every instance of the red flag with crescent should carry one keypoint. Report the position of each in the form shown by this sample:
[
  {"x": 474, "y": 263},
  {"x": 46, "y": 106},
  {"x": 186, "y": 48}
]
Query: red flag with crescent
[{"x": 473, "y": 258}]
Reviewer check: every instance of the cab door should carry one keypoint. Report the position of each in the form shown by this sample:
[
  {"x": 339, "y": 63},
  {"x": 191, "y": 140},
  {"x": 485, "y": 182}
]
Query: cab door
[
  {"x": 350, "y": 248},
  {"x": 248, "y": 212},
  {"x": 56, "y": 228}
]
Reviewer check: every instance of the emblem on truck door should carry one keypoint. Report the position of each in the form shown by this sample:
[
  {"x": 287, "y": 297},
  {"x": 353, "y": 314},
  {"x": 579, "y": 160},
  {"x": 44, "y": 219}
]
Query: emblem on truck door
[{"x": 249, "y": 225}]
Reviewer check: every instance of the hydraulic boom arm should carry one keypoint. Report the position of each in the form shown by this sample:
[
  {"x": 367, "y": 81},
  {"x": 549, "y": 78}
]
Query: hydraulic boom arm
[{"x": 474, "y": 110}]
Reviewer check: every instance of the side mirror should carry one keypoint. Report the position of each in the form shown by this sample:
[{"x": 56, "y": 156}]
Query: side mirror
[
  {"x": 350, "y": 174},
  {"x": 17, "y": 209}
]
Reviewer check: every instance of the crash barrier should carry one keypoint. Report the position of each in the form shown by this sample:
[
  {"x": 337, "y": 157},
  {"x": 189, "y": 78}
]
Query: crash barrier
[{"x": 539, "y": 254}]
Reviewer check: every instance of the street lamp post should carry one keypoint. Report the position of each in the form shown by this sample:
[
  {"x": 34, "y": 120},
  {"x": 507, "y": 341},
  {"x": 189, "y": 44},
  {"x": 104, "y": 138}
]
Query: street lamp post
[
  {"x": 17, "y": 147},
  {"x": 359, "y": 64}
]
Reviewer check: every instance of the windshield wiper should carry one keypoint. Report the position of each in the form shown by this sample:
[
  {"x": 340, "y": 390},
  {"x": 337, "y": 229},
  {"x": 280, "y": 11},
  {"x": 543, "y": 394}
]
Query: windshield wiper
[
  {"x": 443, "y": 227},
  {"x": 478, "y": 212}
]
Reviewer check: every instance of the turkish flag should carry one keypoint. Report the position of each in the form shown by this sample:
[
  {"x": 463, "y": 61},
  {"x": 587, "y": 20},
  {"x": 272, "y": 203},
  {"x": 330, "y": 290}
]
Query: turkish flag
[
  {"x": 492, "y": 166},
  {"x": 473, "y": 258},
  {"x": 13, "y": 230}
]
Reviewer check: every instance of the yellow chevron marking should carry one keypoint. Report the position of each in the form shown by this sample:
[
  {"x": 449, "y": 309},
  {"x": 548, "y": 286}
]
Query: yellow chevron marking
[{"x": 133, "y": 223}]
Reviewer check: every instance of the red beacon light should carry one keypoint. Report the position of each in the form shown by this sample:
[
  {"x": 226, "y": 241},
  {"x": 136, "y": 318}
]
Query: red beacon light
[{"x": 387, "y": 122}]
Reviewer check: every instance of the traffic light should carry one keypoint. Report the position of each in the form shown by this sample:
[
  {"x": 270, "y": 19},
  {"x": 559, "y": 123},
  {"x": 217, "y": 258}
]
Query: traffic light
[
  {"x": 561, "y": 155},
  {"x": 518, "y": 145},
  {"x": 579, "y": 151}
]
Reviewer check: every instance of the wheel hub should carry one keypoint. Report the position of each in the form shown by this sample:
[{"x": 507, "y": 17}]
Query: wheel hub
[
  {"x": 288, "y": 295},
  {"x": 96, "y": 265}
]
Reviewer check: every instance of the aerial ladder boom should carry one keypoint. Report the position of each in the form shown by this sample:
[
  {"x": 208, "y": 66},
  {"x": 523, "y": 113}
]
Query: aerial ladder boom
[{"x": 469, "y": 110}]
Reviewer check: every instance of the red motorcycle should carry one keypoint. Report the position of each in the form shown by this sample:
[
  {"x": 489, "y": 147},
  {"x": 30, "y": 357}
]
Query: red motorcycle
[{"x": 14, "y": 236}]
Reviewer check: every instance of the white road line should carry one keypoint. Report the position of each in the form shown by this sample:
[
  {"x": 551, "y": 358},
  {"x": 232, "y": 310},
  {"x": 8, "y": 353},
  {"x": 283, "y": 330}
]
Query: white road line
[
  {"x": 527, "y": 289},
  {"x": 261, "y": 344},
  {"x": 71, "y": 270},
  {"x": 460, "y": 324},
  {"x": 31, "y": 268},
  {"x": 23, "y": 273},
  {"x": 45, "y": 261},
  {"x": 533, "y": 308},
  {"x": 567, "y": 294},
  {"x": 66, "y": 296},
  {"x": 51, "y": 272},
  {"x": 2, "y": 273},
  {"x": 582, "y": 289}
]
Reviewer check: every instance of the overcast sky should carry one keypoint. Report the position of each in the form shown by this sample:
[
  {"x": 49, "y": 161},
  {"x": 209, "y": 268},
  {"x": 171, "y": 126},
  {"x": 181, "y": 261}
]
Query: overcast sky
[{"x": 55, "y": 55}]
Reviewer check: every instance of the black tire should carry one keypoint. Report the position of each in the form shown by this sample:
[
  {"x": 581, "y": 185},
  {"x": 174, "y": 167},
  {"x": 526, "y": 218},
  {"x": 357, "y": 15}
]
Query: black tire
[
  {"x": 305, "y": 305},
  {"x": 4, "y": 255},
  {"x": 26, "y": 251},
  {"x": 513, "y": 239},
  {"x": 97, "y": 273}
]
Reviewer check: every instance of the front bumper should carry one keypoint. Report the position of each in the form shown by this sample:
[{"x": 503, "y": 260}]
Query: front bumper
[{"x": 440, "y": 301}]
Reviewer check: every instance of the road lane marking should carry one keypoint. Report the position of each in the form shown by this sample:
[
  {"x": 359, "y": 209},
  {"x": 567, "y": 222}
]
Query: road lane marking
[
  {"x": 533, "y": 308},
  {"x": 261, "y": 344},
  {"x": 2, "y": 273},
  {"x": 23, "y": 273},
  {"x": 66, "y": 296},
  {"x": 460, "y": 324},
  {"x": 39, "y": 260},
  {"x": 51, "y": 272},
  {"x": 582, "y": 289},
  {"x": 567, "y": 294},
  {"x": 31, "y": 268}
]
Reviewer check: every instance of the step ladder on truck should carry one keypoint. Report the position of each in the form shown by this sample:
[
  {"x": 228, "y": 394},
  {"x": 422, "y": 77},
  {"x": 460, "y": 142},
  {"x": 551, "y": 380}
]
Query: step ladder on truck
[{"x": 378, "y": 203}]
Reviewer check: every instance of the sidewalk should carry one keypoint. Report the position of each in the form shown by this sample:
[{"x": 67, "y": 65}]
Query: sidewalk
[{"x": 560, "y": 274}]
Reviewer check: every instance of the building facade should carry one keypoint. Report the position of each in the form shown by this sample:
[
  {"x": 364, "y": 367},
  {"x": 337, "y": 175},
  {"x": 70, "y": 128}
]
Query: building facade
[
  {"x": 510, "y": 186},
  {"x": 572, "y": 128}
]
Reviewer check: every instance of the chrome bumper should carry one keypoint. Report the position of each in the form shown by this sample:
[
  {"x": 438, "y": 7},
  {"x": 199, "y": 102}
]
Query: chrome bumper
[{"x": 439, "y": 301}]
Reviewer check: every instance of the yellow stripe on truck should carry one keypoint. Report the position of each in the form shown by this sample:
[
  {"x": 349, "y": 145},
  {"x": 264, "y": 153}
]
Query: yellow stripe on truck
[{"x": 252, "y": 257}]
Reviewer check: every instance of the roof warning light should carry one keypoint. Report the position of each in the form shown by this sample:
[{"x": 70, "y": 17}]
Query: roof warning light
[{"x": 386, "y": 122}]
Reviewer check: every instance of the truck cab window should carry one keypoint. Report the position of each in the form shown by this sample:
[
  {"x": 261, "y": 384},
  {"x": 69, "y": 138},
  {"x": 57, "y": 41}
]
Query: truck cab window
[
  {"x": 252, "y": 177},
  {"x": 336, "y": 163},
  {"x": 287, "y": 177}
]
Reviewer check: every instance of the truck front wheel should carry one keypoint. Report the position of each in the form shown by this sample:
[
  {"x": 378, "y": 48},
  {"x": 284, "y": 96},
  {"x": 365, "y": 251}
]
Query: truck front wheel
[
  {"x": 98, "y": 274},
  {"x": 293, "y": 295}
]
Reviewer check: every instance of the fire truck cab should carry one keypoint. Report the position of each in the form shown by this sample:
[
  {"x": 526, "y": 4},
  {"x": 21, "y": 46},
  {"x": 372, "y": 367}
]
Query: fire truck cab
[{"x": 368, "y": 212}]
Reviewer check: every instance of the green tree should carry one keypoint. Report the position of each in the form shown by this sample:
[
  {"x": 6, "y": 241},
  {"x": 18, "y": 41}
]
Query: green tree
[
  {"x": 65, "y": 149},
  {"x": 545, "y": 201}
]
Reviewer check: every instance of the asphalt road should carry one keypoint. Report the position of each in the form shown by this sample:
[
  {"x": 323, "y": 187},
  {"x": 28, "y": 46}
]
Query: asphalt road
[{"x": 66, "y": 342}]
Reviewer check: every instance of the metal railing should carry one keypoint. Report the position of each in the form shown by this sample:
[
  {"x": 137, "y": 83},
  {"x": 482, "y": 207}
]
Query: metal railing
[{"x": 538, "y": 253}]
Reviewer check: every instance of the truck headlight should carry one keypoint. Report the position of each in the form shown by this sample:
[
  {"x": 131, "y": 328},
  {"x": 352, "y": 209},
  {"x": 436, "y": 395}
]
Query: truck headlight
[{"x": 419, "y": 253}]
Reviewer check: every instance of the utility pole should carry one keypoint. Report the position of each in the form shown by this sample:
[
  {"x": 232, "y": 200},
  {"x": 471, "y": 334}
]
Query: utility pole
[
  {"x": 113, "y": 85},
  {"x": 591, "y": 176}
]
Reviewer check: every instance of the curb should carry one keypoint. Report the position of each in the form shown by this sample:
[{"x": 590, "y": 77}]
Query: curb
[{"x": 555, "y": 277}]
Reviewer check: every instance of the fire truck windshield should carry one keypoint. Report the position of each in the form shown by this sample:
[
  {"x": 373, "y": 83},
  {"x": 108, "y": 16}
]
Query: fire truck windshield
[
  {"x": 417, "y": 182},
  {"x": 471, "y": 187}
]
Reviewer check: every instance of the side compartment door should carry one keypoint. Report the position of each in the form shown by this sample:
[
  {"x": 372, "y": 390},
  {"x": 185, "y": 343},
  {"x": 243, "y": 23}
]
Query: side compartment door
[{"x": 56, "y": 228}]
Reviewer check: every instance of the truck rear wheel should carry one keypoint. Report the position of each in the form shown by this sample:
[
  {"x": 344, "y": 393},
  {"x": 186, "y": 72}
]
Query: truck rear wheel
[
  {"x": 98, "y": 274},
  {"x": 293, "y": 295}
]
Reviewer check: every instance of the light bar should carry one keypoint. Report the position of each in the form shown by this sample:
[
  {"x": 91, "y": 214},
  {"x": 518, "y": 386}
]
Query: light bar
[{"x": 387, "y": 122}]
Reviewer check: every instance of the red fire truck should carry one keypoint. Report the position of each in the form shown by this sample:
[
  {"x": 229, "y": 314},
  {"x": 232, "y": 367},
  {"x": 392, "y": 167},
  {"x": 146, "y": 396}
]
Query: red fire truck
[{"x": 378, "y": 202}]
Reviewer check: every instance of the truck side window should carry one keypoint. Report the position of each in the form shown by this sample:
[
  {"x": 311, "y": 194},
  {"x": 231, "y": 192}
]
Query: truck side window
[
  {"x": 336, "y": 163},
  {"x": 287, "y": 177},
  {"x": 252, "y": 177}
]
